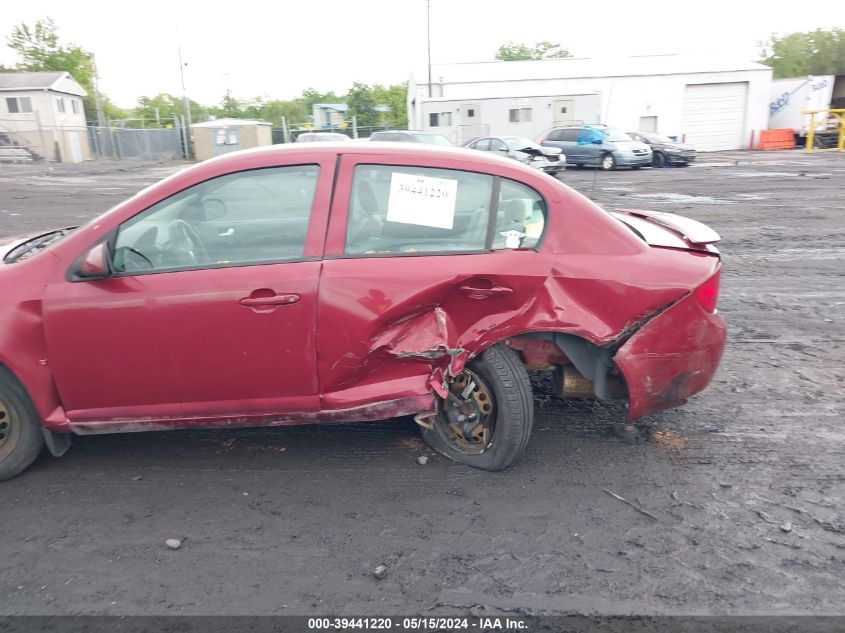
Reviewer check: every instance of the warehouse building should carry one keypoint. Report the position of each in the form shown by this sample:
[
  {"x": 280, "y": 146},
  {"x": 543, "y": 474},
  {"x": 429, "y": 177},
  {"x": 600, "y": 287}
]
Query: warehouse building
[{"x": 710, "y": 102}]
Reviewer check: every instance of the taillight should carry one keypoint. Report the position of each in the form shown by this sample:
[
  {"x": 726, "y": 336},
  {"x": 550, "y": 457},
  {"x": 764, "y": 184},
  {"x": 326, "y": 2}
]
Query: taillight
[{"x": 708, "y": 293}]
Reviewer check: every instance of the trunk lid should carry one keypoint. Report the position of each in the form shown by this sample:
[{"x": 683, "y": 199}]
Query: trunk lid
[{"x": 668, "y": 230}]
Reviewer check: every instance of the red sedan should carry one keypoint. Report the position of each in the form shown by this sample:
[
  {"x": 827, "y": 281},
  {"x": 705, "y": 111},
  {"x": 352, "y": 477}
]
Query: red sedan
[{"x": 350, "y": 282}]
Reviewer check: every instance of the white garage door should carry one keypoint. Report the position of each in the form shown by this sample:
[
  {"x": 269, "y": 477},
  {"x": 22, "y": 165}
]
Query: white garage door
[{"x": 714, "y": 116}]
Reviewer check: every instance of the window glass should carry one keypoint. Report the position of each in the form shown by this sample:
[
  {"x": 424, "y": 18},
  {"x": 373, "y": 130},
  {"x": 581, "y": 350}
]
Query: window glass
[
  {"x": 433, "y": 119},
  {"x": 555, "y": 135},
  {"x": 12, "y": 105},
  {"x": 26, "y": 104},
  {"x": 570, "y": 134},
  {"x": 403, "y": 210},
  {"x": 496, "y": 145},
  {"x": 252, "y": 216},
  {"x": 60, "y": 104},
  {"x": 519, "y": 115},
  {"x": 75, "y": 105},
  {"x": 520, "y": 217},
  {"x": 483, "y": 144}
]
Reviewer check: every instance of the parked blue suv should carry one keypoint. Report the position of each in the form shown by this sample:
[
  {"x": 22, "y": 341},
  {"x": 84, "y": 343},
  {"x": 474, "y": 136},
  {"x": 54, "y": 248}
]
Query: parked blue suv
[{"x": 598, "y": 146}]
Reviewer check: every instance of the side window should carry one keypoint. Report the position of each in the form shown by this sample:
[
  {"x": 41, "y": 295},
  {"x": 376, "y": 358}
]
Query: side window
[
  {"x": 520, "y": 217},
  {"x": 497, "y": 146},
  {"x": 247, "y": 217},
  {"x": 400, "y": 210},
  {"x": 483, "y": 145},
  {"x": 570, "y": 134}
]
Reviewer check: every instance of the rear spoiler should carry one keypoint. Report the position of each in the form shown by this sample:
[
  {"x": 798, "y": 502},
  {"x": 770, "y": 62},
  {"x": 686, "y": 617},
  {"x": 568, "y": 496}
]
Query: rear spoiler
[{"x": 667, "y": 230}]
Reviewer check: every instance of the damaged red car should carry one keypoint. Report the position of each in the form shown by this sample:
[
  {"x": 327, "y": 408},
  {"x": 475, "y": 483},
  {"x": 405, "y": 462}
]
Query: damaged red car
[{"x": 339, "y": 283}]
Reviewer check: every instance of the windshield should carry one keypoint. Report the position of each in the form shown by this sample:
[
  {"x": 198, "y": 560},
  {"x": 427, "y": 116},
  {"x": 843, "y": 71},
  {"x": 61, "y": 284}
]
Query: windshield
[
  {"x": 616, "y": 136},
  {"x": 517, "y": 143},
  {"x": 657, "y": 138}
]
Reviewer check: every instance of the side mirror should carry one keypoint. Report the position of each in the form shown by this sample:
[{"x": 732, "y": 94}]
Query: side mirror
[{"x": 95, "y": 263}]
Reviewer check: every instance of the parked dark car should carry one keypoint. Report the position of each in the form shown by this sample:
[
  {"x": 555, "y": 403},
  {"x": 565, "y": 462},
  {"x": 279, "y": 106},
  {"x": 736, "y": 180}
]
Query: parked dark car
[
  {"x": 411, "y": 136},
  {"x": 598, "y": 146},
  {"x": 548, "y": 159},
  {"x": 665, "y": 151},
  {"x": 320, "y": 282}
]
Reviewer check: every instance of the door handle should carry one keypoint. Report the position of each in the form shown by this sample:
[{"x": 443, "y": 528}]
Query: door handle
[
  {"x": 484, "y": 293},
  {"x": 274, "y": 300}
]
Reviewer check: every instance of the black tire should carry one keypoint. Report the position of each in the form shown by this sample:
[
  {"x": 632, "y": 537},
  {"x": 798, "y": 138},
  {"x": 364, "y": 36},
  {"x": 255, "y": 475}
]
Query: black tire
[
  {"x": 607, "y": 162},
  {"x": 20, "y": 428},
  {"x": 504, "y": 375},
  {"x": 658, "y": 159}
]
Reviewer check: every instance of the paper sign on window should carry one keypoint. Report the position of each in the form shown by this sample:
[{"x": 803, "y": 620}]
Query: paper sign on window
[{"x": 421, "y": 200}]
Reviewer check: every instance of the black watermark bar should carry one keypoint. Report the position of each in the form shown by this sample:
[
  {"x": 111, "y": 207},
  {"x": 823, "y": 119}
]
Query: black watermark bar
[{"x": 423, "y": 624}]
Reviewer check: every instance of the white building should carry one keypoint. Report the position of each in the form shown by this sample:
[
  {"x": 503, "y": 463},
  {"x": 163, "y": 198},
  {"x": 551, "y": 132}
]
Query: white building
[
  {"x": 43, "y": 112},
  {"x": 713, "y": 103}
]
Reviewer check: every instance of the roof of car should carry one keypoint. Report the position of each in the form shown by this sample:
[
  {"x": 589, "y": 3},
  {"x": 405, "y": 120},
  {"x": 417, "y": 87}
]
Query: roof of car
[{"x": 375, "y": 148}]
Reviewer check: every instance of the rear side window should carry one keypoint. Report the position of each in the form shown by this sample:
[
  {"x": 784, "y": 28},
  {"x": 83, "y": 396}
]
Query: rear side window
[
  {"x": 555, "y": 135},
  {"x": 570, "y": 134},
  {"x": 406, "y": 210},
  {"x": 483, "y": 144},
  {"x": 520, "y": 216}
]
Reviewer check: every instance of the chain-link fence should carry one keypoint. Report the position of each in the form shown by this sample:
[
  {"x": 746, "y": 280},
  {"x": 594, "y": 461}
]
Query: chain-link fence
[
  {"x": 22, "y": 140},
  {"x": 137, "y": 143},
  {"x": 352, "y": 130}
]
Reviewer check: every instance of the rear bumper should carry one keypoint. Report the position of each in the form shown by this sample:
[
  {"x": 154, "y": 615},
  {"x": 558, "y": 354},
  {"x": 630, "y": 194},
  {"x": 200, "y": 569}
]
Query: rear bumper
[{"x": 672, "y": 357}]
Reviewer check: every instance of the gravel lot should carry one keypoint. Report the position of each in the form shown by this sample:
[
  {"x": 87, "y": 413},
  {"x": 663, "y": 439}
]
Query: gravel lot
[{"x": 745, "y": 483}]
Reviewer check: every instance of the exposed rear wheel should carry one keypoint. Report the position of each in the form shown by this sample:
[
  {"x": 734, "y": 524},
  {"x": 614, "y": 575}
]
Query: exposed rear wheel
[
  {"x": 658, "y": 159},
  {"x": 20, "y": 429},
  {"x": 486, "y": 420}
]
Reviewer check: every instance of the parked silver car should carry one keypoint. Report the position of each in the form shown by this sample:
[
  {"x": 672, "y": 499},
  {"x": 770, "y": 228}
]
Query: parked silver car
[
  {"x": 598, "y": 146},
  {"x": 410, "y": 136},
  {"x": 548, "y": 159},
  {"x": 322, "y": 137}
]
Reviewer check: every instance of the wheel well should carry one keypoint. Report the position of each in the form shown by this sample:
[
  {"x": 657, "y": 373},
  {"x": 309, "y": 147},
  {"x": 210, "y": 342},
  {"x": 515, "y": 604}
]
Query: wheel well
[{"x": 543, "y": 350}]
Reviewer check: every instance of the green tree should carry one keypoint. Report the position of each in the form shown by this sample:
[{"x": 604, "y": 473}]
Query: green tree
[
  {"x": 362, "y": 105},
  {"x": 272, "y": 111},
  {"x": 41, "y": 51},
  {"x": 310, "y": 96},
  {"x": 395, "y": 98},
  {"x": 816, "y": 52},
  {"x": 166, "y": 106},
  {"x": 513, "y": 51}
]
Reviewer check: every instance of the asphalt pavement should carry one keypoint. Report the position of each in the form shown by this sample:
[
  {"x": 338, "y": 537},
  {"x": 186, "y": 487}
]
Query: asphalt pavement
[{"x": 742, "y": 489}]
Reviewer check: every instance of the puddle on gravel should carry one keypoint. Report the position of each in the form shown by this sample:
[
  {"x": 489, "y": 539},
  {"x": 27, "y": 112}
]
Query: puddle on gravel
[{"x": 680, "y": 197}]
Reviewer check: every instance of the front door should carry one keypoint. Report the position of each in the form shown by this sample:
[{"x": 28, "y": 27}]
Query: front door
[{"x": 211, "y": 310}]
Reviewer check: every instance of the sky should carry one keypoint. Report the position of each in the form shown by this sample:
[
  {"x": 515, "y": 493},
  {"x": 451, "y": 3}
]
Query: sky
[{"x": 278, "y": 49}]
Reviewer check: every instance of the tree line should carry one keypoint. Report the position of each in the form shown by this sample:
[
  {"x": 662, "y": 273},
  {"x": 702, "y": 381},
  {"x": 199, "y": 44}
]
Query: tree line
[
  {"x": 40, "y": 50},
  {"x": 819, "y": 52}
]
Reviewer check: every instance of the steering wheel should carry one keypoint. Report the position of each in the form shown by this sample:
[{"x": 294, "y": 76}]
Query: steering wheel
[{"x": 184, "y": 245}]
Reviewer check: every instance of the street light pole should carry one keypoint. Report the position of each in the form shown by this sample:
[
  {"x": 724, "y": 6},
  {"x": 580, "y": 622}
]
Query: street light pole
[
  {"x": 186, "y": 104},
  {"x": 428, "y": 40}
]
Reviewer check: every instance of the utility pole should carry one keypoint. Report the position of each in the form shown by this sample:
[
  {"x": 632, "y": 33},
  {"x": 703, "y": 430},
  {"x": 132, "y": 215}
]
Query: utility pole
[
  {"x": 186, "y": 105},
  {"x": 98, "y": 98},
  {"x": 428, "y": 40}
]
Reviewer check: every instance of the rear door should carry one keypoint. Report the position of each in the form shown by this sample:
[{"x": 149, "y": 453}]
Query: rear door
[{"x": 421, "y": 258}]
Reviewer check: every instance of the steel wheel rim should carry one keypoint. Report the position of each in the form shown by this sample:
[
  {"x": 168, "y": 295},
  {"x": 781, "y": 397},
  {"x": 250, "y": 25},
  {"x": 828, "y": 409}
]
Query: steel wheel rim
[
  {"x": 474, "y": 435},
  {"x": 9, "y": 431},
  {"x": 607, "y": 162}
]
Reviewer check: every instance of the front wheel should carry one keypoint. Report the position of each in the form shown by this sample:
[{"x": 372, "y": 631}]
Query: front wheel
[
  {"x": 20, "y": 430},
  {"x": 486, "y": 420},
  {"x": 608, "y": 162},
  {"x": 658, "y": 159}
]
